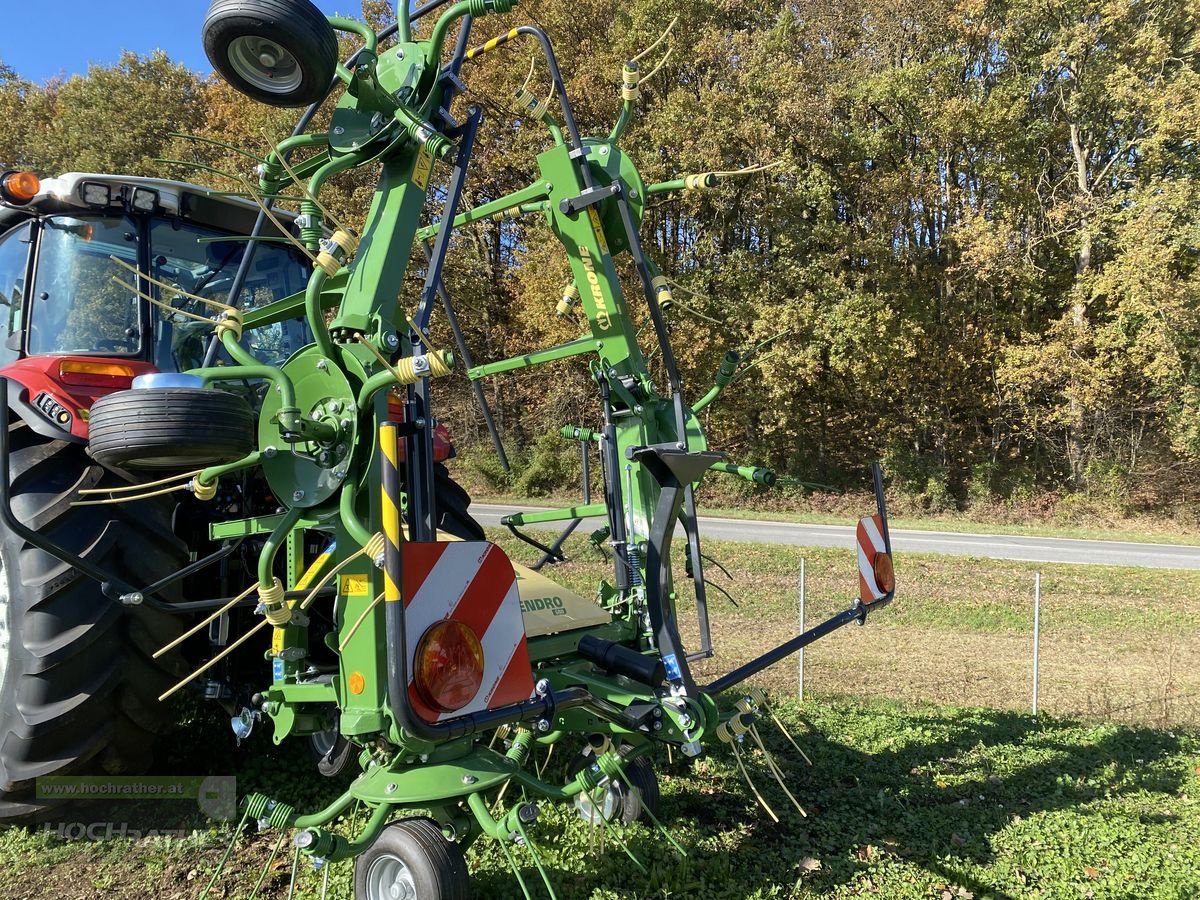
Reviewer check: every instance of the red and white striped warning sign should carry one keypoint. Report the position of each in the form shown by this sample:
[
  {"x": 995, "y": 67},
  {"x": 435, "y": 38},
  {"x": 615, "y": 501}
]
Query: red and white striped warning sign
[
  {"x": 471, "y": 582},
  {"x": 871, "y": 543}
]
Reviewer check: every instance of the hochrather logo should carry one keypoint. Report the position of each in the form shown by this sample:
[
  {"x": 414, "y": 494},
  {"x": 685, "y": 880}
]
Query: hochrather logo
[{"x": 593, "y": 281}]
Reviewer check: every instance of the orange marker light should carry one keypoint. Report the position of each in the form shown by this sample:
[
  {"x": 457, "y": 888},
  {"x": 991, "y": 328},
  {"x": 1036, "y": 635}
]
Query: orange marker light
[
  {"x": 885, "y": 576},
  {"x": 94, "y": 374},
  {"x": 449, "y": 666},
  {"x": 356, "y": 683},
  {"x": 19, "y": 187}
]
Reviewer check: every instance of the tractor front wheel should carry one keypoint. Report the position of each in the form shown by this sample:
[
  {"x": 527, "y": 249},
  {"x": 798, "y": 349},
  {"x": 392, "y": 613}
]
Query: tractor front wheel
[{"x": 78, "y": 686}]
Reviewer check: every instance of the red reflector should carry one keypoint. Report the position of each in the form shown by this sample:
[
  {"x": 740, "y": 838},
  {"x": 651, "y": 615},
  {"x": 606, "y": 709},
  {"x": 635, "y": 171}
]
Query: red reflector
[
  {"x": 885, "y": 576},
  {"x": 449, "y": 666}
]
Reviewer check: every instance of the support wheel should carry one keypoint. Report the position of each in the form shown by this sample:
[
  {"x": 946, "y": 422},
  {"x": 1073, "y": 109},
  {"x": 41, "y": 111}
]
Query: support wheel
[
  {"x": 619, "y": 800},
  {"x": 412, "y": 860},
  {"x": 278, "y": 52},
  {"x": 170, "y": 428}
]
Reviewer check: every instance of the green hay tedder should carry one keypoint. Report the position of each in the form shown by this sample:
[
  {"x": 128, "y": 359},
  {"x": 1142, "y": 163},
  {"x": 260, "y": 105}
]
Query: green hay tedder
[{"x": 401, "y": 642}]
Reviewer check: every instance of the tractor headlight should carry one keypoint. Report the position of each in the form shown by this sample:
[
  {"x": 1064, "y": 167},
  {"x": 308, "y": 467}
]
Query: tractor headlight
[
  {"x": 144, "y": 199},
  {"x": 95, "y": 194}
]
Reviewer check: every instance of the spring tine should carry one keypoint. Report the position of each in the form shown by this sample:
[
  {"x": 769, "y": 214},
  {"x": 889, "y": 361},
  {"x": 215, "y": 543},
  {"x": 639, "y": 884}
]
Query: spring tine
[
  {"x": 546, "y": 761},
  {"x": 653, "y": 818},
  {"x": 775, "y": 770},
  {"x": 295, "y": 866},
  {"x": 787, "y": 734},
  {"x": 325, "y": 882},
  {"x": 262, "y": 876},
  {"x": 765, "y": 805},
  {"x": 512, "y": 864},
  {"x": 612, "y": 830},
  {"x": 537, "y": 858},
  {"x": 237, "y": 832}
]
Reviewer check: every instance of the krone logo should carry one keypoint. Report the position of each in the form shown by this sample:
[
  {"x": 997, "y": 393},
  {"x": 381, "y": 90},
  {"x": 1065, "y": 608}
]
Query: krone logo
[{"x": 594, "y": 285}]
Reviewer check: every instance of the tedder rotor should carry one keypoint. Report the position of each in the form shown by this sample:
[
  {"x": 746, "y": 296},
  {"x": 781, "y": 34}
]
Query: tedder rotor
[{"x": 445, "y": 663}]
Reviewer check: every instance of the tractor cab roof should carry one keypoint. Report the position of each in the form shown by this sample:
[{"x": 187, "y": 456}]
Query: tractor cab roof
[{"x": 78, "y": 192}]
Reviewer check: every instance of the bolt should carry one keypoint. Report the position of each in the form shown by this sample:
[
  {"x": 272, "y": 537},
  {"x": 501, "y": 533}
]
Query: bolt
[
  {"x": 379, "y": 561},
  {"x": 322, "y": 365},
  {"x": 335, "y": 407},
  {"x": 399, "y": 53},
  {"x": 324, "y": 458},
  {"x": 297, "y": 496},
  {"x": 391, "y": 788},
  {"x": 543, "y": 725},
  {"x": 345, "y": 423},
  {"x": 469, "y": 779},
  {"x": 134, "y": 598},
  {"x": 603, "y": 151},
  {"x": 685, "y": 722},
  {"x": 633, "y": 195},
  {"x": 270, "y": 452},
  {"x": 542, "y": 687},
  {"x": 338, "y": 129},
  {"x": 658, "y": 725},
  {"x": 527, "y": 813},
  {"x": 419, "y": 423},
  {"x": 391, "y": 341},
  {"x": 549, "y": 186}
]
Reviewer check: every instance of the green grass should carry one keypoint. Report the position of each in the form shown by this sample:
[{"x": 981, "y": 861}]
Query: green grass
[
  {"x": 946, "y": 788},
  {"x": 903, "y": 801}
]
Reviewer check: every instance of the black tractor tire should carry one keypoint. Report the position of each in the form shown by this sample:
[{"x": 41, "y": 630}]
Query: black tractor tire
[
  {"x": 170, "y": 428},
  {"x": 413, "y": 854},
  {"x": 452, "y": 503},
  {"x": 278, "y": 52},
  {"x": 78, "y": 687}
]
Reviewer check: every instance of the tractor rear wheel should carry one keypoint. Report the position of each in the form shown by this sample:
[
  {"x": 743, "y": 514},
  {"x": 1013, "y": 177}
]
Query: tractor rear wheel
[{"x": 78, "y": 687}]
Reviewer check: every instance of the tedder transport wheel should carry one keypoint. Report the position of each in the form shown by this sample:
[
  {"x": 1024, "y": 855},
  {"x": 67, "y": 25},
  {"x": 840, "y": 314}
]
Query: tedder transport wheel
[
  {"x": 78, "y": 687},
  {"x": 278, "y": 52},
  {"x": 412, "y": 859},
  {"x": 170, "y": 428},
  {"x": 617, "y": 800}
]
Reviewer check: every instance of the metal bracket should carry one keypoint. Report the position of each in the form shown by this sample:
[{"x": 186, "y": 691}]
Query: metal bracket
[{"x": 571, "y": 206}]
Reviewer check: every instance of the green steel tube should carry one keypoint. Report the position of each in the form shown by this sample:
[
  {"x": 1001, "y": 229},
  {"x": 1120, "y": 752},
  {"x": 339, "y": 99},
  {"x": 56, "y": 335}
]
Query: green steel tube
[
  {"x": 350, "y": 849},
  {"x": 622, "y": 122},
  {"x": 349, "y": 516},
  {"x": 403, "y": 22},
  {"x": 266, "y": 558},
  {"x": 328, "y": 814},
  {"x": 315, "y": 315},
  {"x": 678, "y": 184},
  {"x": 243, "y": 373},
  {"x": 240, "y": 354},
  {"x": 370, "y": 40},
  {"x": 376, "y": 382},
  {"x": 287, "y": 145},
  {"x": 724, "y": 376},
  {"x": 438, "y": 37},
  {"x": 212, "y": 473},
  {"x": 751, "y": 473}
]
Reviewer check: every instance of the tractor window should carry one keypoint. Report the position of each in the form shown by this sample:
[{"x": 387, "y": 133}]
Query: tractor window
[
  {"x": 199, "y": 261},
  {"x": 83, "y": 302},
  {"x": 14, "y": 258}
]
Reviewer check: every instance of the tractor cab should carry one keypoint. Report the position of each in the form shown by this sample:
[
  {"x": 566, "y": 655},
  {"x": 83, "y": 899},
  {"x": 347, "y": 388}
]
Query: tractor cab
[{"x": 78, "y": 321}]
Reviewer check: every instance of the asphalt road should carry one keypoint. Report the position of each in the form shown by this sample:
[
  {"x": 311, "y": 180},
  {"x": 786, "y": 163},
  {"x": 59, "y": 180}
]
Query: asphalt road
[{"x": 988, "y": 546}]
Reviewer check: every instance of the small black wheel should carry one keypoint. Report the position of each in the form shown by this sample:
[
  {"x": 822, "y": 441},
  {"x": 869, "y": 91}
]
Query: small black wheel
[
  {"x": 170, "y": 428},
  {"x": 333, "y": 753},
  {"x": 618, "y": 800},
  {"x": 278, "y": 52},
  {"x": 412, "y": 858},
  {"x": 452, "y": 502}
]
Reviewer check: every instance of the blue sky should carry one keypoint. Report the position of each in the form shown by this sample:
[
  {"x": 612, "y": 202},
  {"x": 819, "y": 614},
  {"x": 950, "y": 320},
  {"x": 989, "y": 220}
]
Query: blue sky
[{"x": 51, "y": 37}]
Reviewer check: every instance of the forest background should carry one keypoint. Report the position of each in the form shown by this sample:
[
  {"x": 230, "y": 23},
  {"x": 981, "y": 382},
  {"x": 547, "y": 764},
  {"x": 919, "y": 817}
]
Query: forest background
[{"x": 976, "y": 255}]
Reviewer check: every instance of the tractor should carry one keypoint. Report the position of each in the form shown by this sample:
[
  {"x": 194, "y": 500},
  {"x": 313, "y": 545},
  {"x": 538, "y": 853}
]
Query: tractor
[{"x": 427, "y": 662}]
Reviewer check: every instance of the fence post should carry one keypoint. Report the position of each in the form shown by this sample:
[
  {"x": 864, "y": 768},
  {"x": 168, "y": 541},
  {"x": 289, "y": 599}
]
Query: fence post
[
  {"x": 1037, "y": 616},
  {"x": 800, "y": 655}
]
